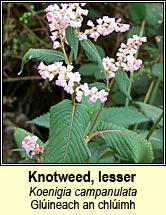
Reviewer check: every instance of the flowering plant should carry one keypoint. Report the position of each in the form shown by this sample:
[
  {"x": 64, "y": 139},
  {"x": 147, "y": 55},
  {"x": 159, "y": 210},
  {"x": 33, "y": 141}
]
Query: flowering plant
[{"x": 83, "y": 126}]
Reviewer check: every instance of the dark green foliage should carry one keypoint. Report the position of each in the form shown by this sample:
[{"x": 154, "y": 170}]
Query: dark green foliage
[
  {"x": 138, "y": 12},
  {"x": 127, "y": 144},
  {"x": 150, "y": 111},
  {"x": 101, "y": 153},
  {"x": 123, "y": 116},
  {"x": 66, "y": 138},
  {"x": 45, "y": 55},
  {"x": 91, "y": 51},
  {"x": 123, "y": 82},
  {"x": 72, "y": 40},
  {"x": 43, "y": 120}
]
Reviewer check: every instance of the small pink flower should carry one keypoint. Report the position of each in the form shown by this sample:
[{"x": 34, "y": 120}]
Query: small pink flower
[
  {"x": 82, "y": 36},
  {"x": 104, "y": 27},
  {"x": 90, "y": 23},
  {"x": 56, "y": 45},
  {"x": 61, "y": 81},
  {"x": 94, "y": 35},
  {"x": 99, "y": 21},
  {"x": 124, "y": 27},
  {"x": 92, "y": 99},
  {"x": 50, "y": 71},
  {"x": 125, "y": 55},
  {"x": 85, "y": 89},
  {"x": 81, "y": 11},
  {"x": 110, "y": 66},
  {"x": 79, "y": 95},
  {"x": 31, "y": 146},
  {"x": 82, "y": 90},
  {"x": 102, "y": 95},
  {"x": 83, "y": 4},
  {"x": 144, "y": 39},
  {"x": 75, "y": 24},
  {"x": 69, "y": 68},
  {"x": 59, "y": 18},
  {"x": 93, "y": 95}
]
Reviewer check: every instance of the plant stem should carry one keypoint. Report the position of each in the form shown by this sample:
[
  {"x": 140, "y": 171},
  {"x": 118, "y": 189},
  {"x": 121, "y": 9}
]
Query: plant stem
[
  {"x": 73, "y": 99},
  {"x": 64, "y": 51},
  {"x": 129, "y": 89},
  {"x": 131, "y": 74},
  {"x": 71, "y": 57},
  {"x": 10, "y": 79},
  {"x": 97, "y": 133},
  {"x": 146, "y": 100},
  {"x": 155, "y": 90},
  {"x": 149, "y": 91},
  {"x": 34, "y": 35},
  {"x": 98, "y": 114},
  {"x": 95, "y": 120},
  {"x": 154, "y": 126},
  {"x": 111, "y": 83}
]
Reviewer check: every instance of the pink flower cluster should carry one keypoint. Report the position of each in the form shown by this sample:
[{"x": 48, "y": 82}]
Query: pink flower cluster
[
  {"x": 60, "y": 18},
  {"x": 105, "y": 26},
  {"x": 126, "y": 59},
  {"x": 110, "y": 66},
  {"x": 71, "y": 14},
  {"x": 49, "y": 72},
  {"x": 70, "y": 81},
  {"x": 31, "y": 147},
  {"x": 92, "y": 93},
  {"x": 126, "y": 54}
]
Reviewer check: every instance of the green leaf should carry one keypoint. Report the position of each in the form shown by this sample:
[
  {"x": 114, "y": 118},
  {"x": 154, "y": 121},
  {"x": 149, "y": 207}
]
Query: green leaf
[
  {"x": 101, "y": 51},
  {"x": 157, "y": 139},
  {"x": 153, "y": 51},
  {"x": 66, "y": 138},
  {"x": 91, "y": 109},
  {"x": 91, "y": 51},
  {"x": 150, "y": 111},
  {"x": 19, "y": 135},
  {"x": 98, "y": 85},
  {"x": 73, "y": 40},
  {"x": 158, "y": 146},
  {"x": 101, "y": 153},
  {"x": 123, "y": 82},
  {"x": 157, "y": 70},
  {"x": 151, "y": 19},
  {"x": 94, "y": 14},
  {"x": 89, "y": 69},
  {"x": 127, "y": 144},
  {"x": 134, "y": 31},
  {"x": 43, "y": 120},
  {"x": 45, "y": 55},
  {"x": 123, "y": 116},
  {"x": 117, "y": 98},
  {"x": 138, "y": 12},
  {"x": 141, "y": 83}
]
